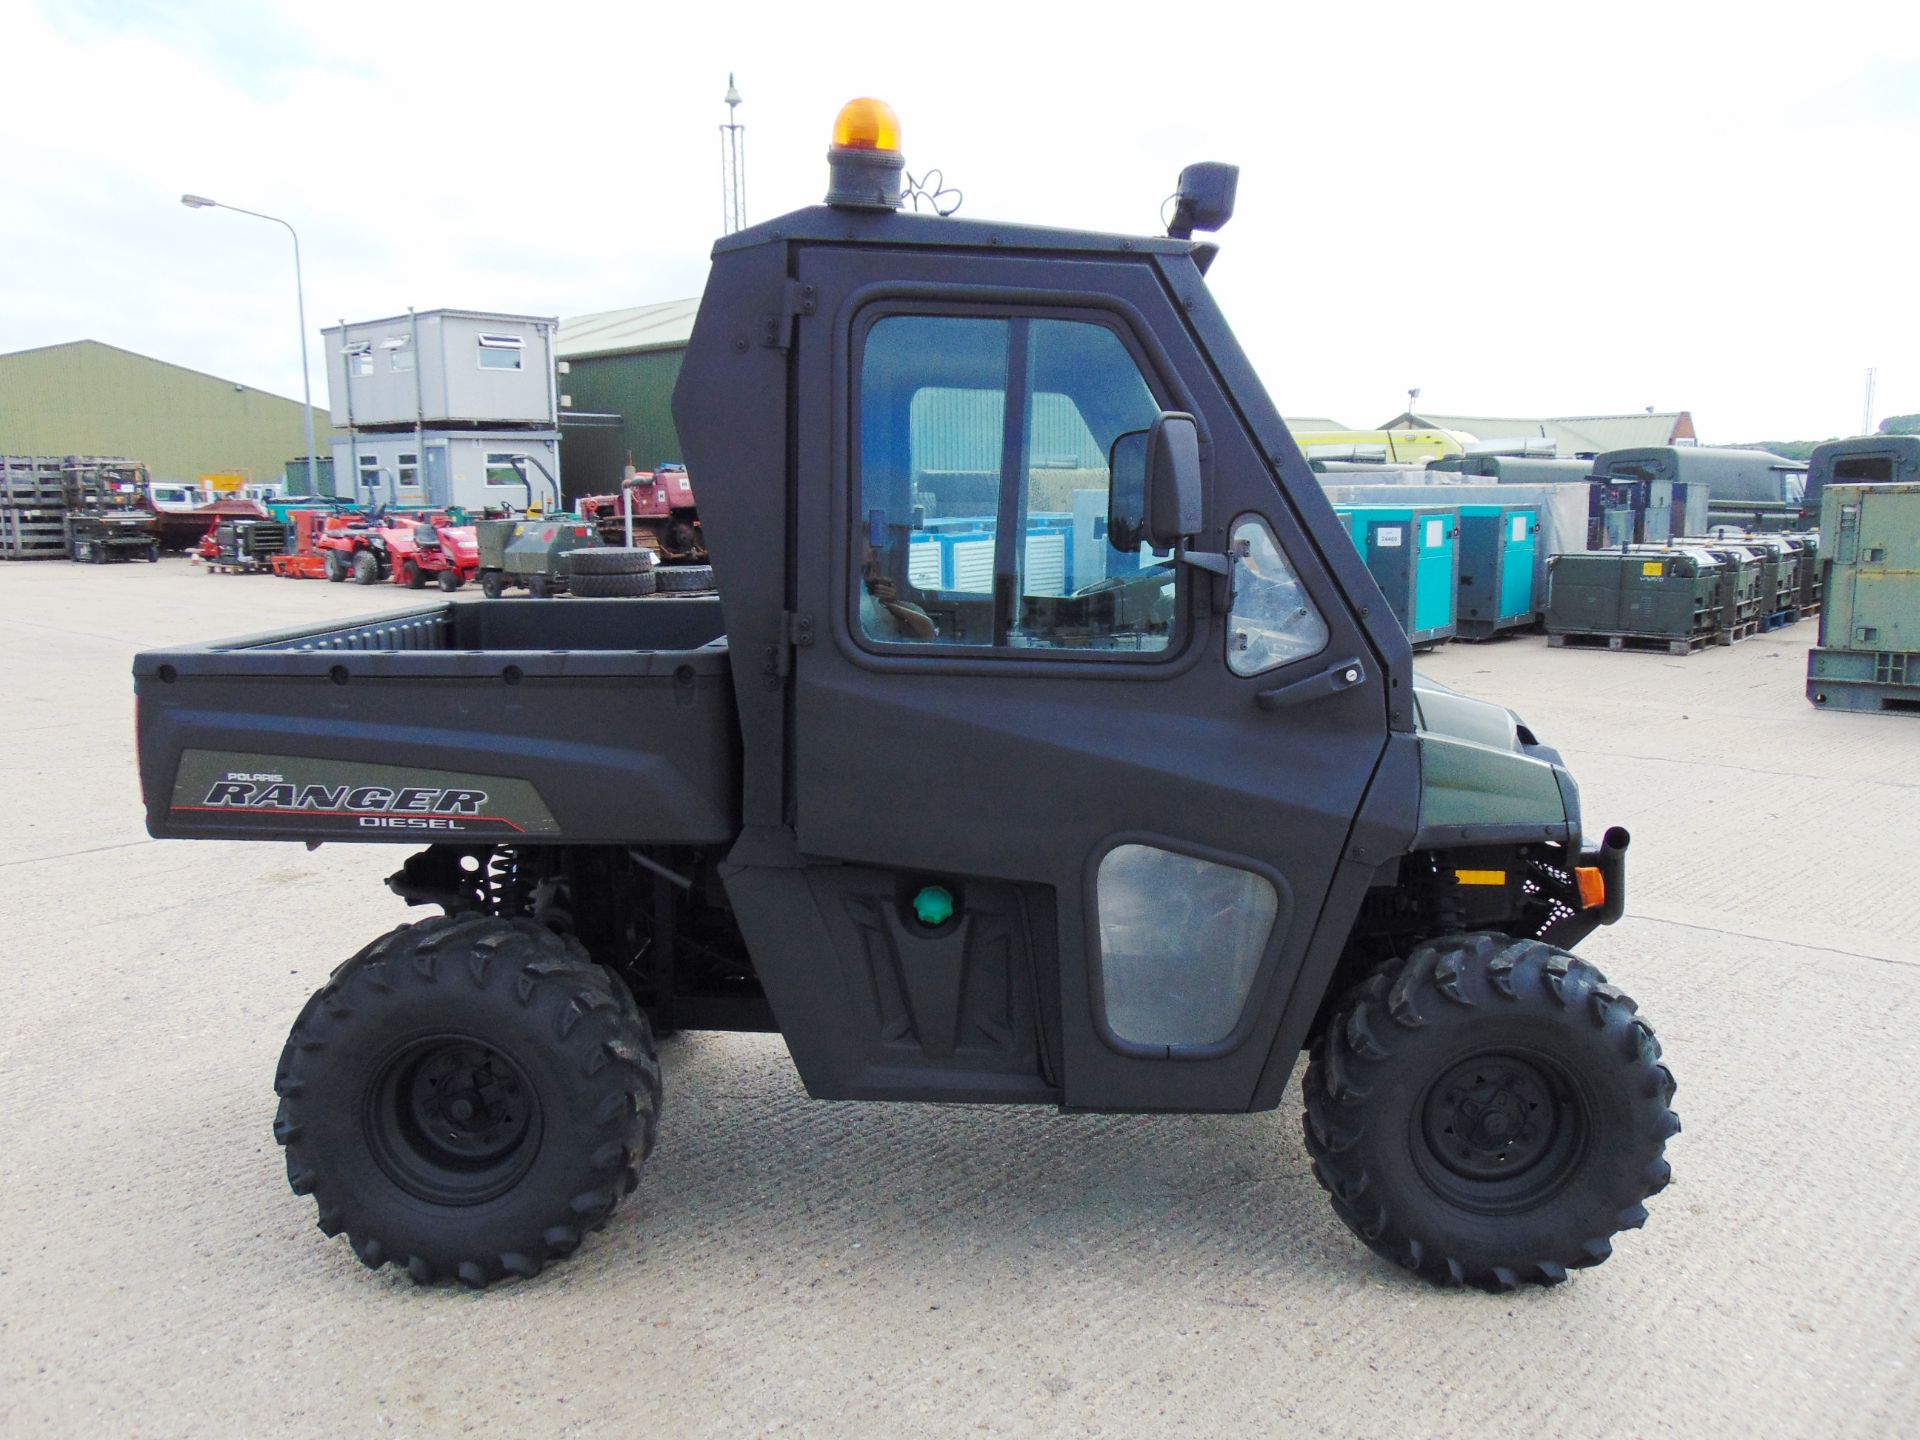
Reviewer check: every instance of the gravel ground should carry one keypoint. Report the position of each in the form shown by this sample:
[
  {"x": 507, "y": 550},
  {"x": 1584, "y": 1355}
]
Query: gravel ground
[{"x": 790, "y": 1266}]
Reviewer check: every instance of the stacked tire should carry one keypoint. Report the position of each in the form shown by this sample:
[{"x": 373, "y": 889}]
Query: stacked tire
[
  {"x": 685, "y": 579},
  {"x": 610, "y": 571}
]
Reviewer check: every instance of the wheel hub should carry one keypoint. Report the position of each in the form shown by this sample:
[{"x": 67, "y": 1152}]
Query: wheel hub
[
  {"x": 1491, "y": 1117},
  {"x": 452, "y": 1120}
]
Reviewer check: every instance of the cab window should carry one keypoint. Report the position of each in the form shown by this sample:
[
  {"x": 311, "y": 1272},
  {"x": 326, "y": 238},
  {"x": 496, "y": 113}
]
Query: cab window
[{"x": 983, "y": 486}]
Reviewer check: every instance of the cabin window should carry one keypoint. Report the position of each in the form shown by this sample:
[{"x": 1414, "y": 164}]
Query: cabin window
[{"x": 501, "y": 352}]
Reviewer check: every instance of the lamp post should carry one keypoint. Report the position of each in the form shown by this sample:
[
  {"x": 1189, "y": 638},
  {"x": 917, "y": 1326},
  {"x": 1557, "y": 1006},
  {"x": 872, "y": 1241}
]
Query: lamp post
[{"x": 201, "y": 202}]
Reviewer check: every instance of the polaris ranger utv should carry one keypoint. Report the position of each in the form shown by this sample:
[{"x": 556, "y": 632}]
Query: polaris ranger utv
[{"x": 1055, "y": 748}]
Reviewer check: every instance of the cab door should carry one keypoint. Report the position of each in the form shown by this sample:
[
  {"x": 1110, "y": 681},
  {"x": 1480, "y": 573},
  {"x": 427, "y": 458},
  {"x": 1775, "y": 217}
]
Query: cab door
[{"x": 1004, "y": 686}]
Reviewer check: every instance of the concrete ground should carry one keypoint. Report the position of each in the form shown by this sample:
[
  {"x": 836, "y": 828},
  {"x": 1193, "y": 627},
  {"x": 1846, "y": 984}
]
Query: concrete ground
[{"x": 794, "y": 1267}]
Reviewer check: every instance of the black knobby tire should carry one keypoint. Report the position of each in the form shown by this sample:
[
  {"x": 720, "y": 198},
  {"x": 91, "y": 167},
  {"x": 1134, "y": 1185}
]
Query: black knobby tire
[
  {"x": 468, "y": 1098},
  {"x": 539, "y": 585},
  {"x": 492, "y": 584},
  {"x": 337, "y": 567},
  {"x": 609, "y": 560},
  {"x": 1489, "y": 1112},
  {"x": 601, "y": 587},
  {"x": 679, "y": 579},
  {"x": 416, "y": 577},
  {"x": 448, "y": 580},
  {"x": 365, "y": 568}
]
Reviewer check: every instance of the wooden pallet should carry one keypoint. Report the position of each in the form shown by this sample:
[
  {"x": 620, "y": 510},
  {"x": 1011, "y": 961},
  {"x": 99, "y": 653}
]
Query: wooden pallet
[
  {"x": 1595, "y": 640},
  {"x": 32, "y": 534}
]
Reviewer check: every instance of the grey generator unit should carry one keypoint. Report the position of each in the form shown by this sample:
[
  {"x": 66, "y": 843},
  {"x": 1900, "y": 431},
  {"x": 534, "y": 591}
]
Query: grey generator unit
[
  {"x": 1868, "y": 657},
  {"x": 1640, "y": 598}
]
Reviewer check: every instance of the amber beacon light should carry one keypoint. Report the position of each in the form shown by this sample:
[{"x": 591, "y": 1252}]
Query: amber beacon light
[{"x": 864, "y": 162}]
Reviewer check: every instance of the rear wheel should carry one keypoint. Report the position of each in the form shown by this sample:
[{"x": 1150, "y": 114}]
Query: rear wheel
[
  {"x": 467, "y": 1098},
  {"x": 336, "y": 566},
  {"x": 1489, "y": 1111},
  {"x": 366, "y": 568},
  {"x": 416, "y": 578},
  {"x": 539, "y": 585}
]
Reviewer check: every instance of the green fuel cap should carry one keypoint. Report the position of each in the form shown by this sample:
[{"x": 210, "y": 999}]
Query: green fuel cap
[{"x": 933, "y": 906}]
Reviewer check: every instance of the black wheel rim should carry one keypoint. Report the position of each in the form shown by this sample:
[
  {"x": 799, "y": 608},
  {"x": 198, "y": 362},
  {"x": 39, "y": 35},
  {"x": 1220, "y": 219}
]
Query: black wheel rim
[
  {"x": 452, "y": 1121},
  {"x": 1500, "y": 1130}
]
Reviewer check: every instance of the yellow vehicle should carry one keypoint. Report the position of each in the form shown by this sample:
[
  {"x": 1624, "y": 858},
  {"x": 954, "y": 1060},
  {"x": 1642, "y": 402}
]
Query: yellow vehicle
[{"x": 1394, "y": 446}]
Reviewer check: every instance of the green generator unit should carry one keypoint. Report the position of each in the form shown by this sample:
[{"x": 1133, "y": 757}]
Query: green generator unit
[
  {"x": 1782, "y": 567},
  {"x": 1868, "y": 657},
  {"x": 1499, "y": 555},
  {"x": 1812, "y": 574},
  {"x": 1414, "y": 554},
  {"x": 1742, "y": 588},
  {"x": 1660, "y": 598},
  {"x": 531, "y": 551}
]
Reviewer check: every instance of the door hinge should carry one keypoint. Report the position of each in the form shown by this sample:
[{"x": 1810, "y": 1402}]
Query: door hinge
[
  {"x": 796, "y": 632},
  {"x": 798, "y": 300}
]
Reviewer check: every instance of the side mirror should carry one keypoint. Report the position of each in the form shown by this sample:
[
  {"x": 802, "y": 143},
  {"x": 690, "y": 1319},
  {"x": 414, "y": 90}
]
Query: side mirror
[
  {"x": 1154, "y": 486},
  {"x": 1173, "y": 480}
]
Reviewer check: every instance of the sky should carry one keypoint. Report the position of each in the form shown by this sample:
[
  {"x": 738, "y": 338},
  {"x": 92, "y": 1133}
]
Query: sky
[{"x": 1528, "y": 209}]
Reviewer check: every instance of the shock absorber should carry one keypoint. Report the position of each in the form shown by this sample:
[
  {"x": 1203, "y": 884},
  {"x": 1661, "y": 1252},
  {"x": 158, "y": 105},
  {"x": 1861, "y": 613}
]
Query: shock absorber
[
  {"x": 1448, "y": 909},
  {"x": 509, "y": 882}
]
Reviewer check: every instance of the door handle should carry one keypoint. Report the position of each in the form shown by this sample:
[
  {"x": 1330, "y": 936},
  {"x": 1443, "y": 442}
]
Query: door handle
[{"x": 1331, "y": 681}]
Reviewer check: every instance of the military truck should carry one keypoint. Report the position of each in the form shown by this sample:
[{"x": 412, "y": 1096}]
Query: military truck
[{"x": 1055, "y": 748}]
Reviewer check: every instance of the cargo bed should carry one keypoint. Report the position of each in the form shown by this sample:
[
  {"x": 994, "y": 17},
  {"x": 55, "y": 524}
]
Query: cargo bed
[{"x": 504, "y": 721}]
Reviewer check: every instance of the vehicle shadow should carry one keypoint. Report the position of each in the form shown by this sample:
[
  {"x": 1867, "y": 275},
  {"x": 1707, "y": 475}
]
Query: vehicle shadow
[{"x": 750, "y": 1174}]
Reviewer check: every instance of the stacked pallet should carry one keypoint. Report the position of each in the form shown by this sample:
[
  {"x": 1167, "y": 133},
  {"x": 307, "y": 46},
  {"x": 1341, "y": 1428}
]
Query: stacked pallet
[{"x": 33, "y": 511}]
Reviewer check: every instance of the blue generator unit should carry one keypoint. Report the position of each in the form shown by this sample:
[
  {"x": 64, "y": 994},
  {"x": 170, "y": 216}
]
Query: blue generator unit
[{"x": 1499, "y": 560}]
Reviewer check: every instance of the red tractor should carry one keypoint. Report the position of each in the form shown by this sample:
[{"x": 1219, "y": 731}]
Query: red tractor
[
  {"x": 431, "y": 547},
  {"x": 664, "y": 517}
]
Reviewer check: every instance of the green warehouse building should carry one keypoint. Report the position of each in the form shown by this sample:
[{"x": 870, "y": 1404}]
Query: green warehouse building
[
  {"x": 86, "y": 398},
  {"x": 616, "y": 392}
]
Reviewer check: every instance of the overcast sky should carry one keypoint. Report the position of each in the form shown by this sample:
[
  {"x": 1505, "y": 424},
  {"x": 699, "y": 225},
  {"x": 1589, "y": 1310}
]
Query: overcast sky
[{"x": 1525, "y": 209}]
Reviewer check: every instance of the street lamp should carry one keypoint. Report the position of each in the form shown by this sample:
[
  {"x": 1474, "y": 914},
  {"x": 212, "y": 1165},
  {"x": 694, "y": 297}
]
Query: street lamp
[{"x": 201, "y": 202}]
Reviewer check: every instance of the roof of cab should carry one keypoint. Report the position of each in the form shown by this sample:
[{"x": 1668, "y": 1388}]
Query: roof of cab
[{"x": 888, "y": 227}]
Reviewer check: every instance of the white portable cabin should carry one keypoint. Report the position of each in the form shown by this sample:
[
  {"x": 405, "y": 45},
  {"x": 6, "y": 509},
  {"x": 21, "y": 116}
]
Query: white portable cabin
[
  {"x": 438, "y": 468},
  {"x": 443, "y": 367}
]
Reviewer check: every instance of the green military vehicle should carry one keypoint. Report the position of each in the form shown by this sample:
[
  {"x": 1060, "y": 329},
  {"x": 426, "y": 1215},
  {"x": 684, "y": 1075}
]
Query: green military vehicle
[{"x": 1106, "y": 785}]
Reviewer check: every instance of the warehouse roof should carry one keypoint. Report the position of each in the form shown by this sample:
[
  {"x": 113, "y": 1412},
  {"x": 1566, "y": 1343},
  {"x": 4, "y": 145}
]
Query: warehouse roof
[
  {"x": 1574, "y": 434},
  {"x": 664, "y": 326}
]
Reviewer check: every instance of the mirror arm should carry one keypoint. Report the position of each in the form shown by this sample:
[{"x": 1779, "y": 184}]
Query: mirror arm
[{"x": 1208, "y": 560}]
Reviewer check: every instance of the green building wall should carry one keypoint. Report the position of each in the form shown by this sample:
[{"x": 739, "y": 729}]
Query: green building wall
[
  {"x": 639, "y": 389},
  {"x": 86, "y": 398}
]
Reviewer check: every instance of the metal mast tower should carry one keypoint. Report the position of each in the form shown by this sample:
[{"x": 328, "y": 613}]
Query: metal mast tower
[
  {"x": 733, "y": 165},
  {"x": 1866, "y": 415}
]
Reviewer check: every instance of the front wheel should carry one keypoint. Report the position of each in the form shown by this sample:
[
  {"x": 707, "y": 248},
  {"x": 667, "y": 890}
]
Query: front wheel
[
  {"x": 448, "y": 580},
  {"x": 365, "y": 568},
  {"x": 492, "y": 585},
  {"x": 1489, "y": 1111},
  {"x": 467, "y": 1098}
]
